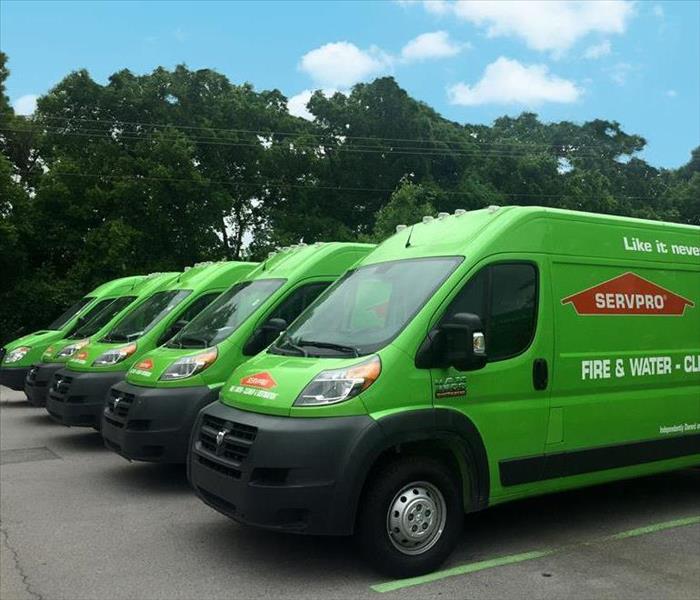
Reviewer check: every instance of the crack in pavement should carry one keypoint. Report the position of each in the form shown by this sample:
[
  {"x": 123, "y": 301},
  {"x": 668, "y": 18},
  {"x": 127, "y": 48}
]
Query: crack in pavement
[{"x": 18, "y": 567}]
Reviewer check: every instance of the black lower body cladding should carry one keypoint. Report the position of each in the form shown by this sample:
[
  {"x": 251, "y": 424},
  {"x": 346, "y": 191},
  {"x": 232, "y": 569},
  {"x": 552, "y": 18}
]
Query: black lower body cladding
[
  {"x": 152, "y": 424},
  {"x": 38, "y": 380},
  {"x": 13, "y": 378},
  {"x": 77, "y": 399},
  {"x": 291, "y": 474}
]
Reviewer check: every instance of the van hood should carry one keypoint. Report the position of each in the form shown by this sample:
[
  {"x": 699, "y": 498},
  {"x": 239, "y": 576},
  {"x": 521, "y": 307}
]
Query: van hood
[
  {"x": 270, "y": 383},
  {"x": 37, "y": 341},
  {"x": 147, "y": 370},
  {"x": 51, "y": 354},
  {"x": 82, "y": 360}
]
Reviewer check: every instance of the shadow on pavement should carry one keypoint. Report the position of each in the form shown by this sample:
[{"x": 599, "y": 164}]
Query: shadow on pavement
[
  {"x": 149, "y": 478},
  {"x": 533, "y": 524}
]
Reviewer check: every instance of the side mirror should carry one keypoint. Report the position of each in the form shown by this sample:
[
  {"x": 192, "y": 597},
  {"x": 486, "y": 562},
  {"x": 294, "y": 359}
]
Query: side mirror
[
  {"x": 263, "y": 336},
  {"x": 459, "y": 343}
]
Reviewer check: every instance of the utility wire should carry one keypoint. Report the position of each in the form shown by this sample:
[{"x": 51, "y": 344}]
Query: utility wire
[
  {"x": 266, "y": 132},
  {"x": 272, "y": 184},
  {"x": 474, "y": 151}
]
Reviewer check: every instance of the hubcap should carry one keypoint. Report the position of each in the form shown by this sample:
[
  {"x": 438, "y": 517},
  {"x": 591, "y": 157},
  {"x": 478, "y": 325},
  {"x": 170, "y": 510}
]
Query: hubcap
[{"x": 416, "y": 518}]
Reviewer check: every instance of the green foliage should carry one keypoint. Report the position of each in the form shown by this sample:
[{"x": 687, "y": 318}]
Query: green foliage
[
  {"x": 154, "y": 172},
  {"x": 407, "y": 205}
]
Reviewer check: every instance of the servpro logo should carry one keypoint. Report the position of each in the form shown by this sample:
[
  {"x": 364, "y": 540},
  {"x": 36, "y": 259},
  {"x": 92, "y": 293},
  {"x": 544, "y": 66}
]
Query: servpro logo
[
  {"x": 259, "y": 380},
  {"x": 628, "y": 294},
  {"x": 146, "y": 364}
]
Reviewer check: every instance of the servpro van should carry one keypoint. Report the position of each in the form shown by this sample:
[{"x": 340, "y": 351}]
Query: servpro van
[
  {"x": 58, "y": 353},
  {"x": 20, "y": 354},
  {"x": 149, "y": 416},
  {"x": 78, "y": 391},
  {"x": 471, "y": 359}
]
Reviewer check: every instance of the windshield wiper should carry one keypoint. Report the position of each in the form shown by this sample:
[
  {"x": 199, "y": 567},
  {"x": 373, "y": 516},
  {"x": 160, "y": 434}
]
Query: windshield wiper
[
  {"x": 116, "y": 337},
  {"x": 330, "y": 346},
  {"x": 192, "y": 338},
  {"x": 287, "y": 341}
]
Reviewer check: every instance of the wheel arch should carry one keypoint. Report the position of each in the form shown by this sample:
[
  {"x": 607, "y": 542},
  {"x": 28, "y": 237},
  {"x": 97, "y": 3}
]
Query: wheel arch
[{"x": 444, "y": 432}]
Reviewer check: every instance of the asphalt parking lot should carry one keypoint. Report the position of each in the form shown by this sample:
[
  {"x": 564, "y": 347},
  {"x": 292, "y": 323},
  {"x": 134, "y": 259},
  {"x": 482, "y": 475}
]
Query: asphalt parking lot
[{"x": 80, "y": 522}]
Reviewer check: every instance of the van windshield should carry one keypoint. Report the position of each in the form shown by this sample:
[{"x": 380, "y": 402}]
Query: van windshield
[
  {"x": 102, "y": 318},
  {"x": 69, "y": 313},
  {"x": 366, "y": 309},
  {"x": 223, "y": 316},
  {"x": 146, "y": 316}
]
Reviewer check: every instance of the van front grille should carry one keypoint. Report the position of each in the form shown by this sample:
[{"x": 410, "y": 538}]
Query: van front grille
[{"x": 229, "y": 442}]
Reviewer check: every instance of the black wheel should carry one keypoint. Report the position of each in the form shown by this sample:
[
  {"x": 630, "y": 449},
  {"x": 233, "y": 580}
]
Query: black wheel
[{"x": 411, "y": 516}]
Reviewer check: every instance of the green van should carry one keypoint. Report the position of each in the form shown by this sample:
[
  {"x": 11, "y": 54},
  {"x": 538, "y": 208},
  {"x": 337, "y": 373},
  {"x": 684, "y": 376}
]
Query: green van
[
  {"x": 471, "y": 359},
  {"x": 20, "y": 354},
  {"x": 78, "y": 391},
  {"x": 149, "y": 416},
  {"x": 58, "y": 353}
]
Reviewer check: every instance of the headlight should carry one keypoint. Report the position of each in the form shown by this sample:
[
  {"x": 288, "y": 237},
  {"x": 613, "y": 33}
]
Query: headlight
[
  {"x": 112, "y": 357},
  {"x": 189, "y": 365},
  {"x": 17, "y": 354},
  {"x": 337, "y": 385},
  {"x": 71, "y": 349}
]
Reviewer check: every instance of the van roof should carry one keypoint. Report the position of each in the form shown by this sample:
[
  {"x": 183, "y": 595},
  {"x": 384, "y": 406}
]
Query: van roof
[
  {"x": 116, "y": 286},
  {"x": 211, "y": 275},
  {"x": 533, "y": 229},
  {"x": 301, "y": 259},
  {"x": 152, "y": 283}
]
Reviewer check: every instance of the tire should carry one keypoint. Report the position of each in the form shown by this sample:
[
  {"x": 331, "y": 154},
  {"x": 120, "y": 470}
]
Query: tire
[{"x": 410, "y": 487}]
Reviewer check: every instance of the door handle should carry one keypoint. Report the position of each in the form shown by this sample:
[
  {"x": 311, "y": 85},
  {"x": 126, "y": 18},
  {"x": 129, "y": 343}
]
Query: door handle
[{"x": 540, "y": 374}]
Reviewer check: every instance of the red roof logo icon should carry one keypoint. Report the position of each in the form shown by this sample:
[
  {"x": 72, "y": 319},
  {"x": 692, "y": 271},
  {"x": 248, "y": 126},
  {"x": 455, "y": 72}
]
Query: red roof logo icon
[
  {"x": 628, "y": 294},
  {"x": 260, "y": 380}
]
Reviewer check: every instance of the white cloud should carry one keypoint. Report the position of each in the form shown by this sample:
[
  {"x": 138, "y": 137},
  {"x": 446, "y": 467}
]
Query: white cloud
[
  {"x": 437, "y": 7},
  {"x": 545, "y": 25},
  {"x": 296, "y": 105},
  {"x": 436, "y": 44},
  {"x": 342, "y": 64},
  {"x": 25, "y": 105},
  {"x": 506, "y": 81},
  {"x": 597, "y": 50},
  {"x": 619, "y": 72},
  {"x": 671, "y": 93}
]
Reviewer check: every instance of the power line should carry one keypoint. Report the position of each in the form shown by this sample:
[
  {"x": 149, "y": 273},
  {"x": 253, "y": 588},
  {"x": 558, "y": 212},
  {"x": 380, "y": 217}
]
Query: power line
[
  {"x": 272, "y": 183},
  {"x": 267, "y": 132},
  {"x": 409, "y": 151}
]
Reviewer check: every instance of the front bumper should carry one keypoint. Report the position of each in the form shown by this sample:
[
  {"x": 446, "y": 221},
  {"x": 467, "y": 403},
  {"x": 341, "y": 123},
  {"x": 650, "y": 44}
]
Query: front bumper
[
  {"x": 152, "y": 424},
  {"x": 77, "y": 399},
  {"x": 13, "y": 377},
  {"x": 38, "y": 380},
  {"x": 293, "y": 474}
]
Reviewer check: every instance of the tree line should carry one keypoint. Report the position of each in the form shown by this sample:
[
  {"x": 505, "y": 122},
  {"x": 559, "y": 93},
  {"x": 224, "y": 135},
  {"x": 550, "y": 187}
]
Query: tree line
[{"x": 155, "y": 172}]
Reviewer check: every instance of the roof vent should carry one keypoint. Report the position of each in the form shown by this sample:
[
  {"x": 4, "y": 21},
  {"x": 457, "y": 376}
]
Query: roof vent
[
  {"x": 443, "y": 215},
  {"x": 400, "y": 228},
  {"x": 427, "y": 219},
  {"x": 493, "y": 208},
  {"x": 459, "y": 212}
]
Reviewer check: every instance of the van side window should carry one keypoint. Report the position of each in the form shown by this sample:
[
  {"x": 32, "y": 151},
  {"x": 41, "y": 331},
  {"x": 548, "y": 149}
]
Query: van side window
[
  {"x": 504, "y": 295},
  {"x": 297, "y": 301},
  {"x": 198, "y": 306}
]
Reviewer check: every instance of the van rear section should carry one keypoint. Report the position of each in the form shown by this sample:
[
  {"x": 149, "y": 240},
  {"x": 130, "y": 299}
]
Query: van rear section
[{"x": 469, "y": 360}]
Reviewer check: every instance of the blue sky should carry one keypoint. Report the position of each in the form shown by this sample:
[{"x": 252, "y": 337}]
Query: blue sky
[{"x": 634, "y": 62}]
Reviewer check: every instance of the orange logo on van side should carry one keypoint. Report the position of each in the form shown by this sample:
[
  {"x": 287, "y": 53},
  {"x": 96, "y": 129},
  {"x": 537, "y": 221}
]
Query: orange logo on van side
[{"x": 628, "y": 294}]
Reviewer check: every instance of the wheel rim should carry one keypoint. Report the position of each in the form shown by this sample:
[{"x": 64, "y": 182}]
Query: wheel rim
[{"x": 416, "y": 518}]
